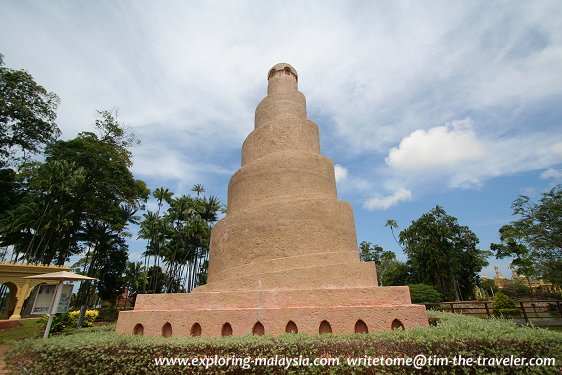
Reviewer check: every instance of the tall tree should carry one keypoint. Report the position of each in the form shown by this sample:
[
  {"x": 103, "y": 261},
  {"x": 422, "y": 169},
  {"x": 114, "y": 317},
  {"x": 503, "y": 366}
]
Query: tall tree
[
  {"x": 385, "y": 261},
  {"x": 40, "y": 227},
  {"x": 534, "y": 240},
  {"x": 27, "y": 116},
  {"x": 10, "y": 192},
  {"x": 370, "y": 253},
  {"x": 135, "y": 277},
  {"x": 179, "y": 238},
  {"x": 443, "y": 253},
  {"x": 84, "y": 182},
  {"x": 396, "y": 273}
]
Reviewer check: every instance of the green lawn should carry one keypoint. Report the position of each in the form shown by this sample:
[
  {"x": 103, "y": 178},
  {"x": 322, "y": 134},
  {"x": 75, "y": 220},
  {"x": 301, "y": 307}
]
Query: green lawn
[{"x": 30, "y": 328}]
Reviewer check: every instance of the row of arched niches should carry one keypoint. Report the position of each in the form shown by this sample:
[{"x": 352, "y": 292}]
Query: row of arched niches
[{"x": 259, "y": 329}]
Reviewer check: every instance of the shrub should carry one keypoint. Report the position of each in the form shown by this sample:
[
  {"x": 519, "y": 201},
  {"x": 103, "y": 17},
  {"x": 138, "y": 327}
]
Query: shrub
[
  {"x": 504, "y": 305},
  {"x": 59, "y": 323},
  {"x": 422, "y": 293},
  {"x": 517, "y": 290},
  {"x": 89, "y": 317},
  {"x": 100, "y": 351},
  {"x": 107, "y": 314}
]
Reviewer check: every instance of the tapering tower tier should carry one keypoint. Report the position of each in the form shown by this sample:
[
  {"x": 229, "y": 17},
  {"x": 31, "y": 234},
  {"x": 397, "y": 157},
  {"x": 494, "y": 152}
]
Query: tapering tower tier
[
  {"x": 283, "y": 211},
  {"x": 285, "y": 257}
]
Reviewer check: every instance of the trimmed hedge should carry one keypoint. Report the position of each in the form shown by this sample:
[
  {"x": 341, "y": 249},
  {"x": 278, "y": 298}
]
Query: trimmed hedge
[
  {"x": 101, "y": 351},
  {"x": 422, "y": 293},
  {"x": 504, "y": 306}
]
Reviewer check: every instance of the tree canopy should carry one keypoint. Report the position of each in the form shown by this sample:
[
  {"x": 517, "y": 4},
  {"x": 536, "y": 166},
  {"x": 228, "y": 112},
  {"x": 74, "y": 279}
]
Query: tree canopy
[
  {"x": 84, "y": 182},
  {"x": 390, "y": 271},
  {"x": 179, "y": 238},
  {"x": 443, "y": 253},
  {"x": 27, "y": 116},
  {"x": 534, "y": 240}
]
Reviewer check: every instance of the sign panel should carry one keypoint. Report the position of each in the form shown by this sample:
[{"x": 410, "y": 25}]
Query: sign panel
[{"x": 45, "y": 297}]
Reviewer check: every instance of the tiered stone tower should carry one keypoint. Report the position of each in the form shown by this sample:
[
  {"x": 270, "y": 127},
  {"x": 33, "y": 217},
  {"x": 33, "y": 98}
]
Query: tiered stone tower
[{"x": 285, "y": 257}]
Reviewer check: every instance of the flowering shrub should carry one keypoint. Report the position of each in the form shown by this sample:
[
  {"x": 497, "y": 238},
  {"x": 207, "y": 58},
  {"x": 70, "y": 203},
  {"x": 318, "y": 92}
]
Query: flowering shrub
[{"x": 89, "y": 317}]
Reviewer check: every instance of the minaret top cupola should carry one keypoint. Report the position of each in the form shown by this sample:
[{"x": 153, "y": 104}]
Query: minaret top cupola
[{"x": 282, "y": 77}]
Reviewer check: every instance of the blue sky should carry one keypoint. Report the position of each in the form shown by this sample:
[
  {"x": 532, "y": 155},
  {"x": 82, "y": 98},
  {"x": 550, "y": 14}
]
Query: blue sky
[{"x": 455, "y": 103}]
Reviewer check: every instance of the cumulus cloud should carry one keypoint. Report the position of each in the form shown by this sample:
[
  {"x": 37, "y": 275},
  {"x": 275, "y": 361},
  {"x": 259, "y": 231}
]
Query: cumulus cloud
[
  {"x": 506, "y": 156},
  {"x": 442, "y": 146},
  {"x": 341, "y": 172},
  {"x": 382, "y": 203}
]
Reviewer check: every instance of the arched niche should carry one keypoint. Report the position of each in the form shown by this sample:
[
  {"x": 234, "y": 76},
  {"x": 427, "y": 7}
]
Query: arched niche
[
  {"x": 138, "y": 330},
  {"x": 325, "y": 327},
  {"x": 397, "y": 324},
  {"x": 196, "y": 329},
  {"x": 258, "y": 329},
  {"x": 226, "y": 329},
  {"x": 361, "y": 327},
  {"x": 167, "y": 330},
  {"x": 291, "y": 327}
]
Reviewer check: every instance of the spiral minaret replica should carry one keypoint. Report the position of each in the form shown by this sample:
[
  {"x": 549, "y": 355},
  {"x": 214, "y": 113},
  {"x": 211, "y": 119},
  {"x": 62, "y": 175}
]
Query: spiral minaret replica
[{"x": 285, "y": 257}]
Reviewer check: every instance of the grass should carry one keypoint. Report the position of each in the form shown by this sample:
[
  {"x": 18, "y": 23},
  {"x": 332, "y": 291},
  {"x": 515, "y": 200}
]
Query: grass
[
  {"x": 29, "y": 329},
  {"x": 554, "y": 328}
]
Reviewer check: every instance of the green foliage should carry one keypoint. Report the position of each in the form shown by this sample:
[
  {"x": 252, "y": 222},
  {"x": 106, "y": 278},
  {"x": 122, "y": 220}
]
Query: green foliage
[
  {"x": 135, "y": 278},
  {"x": 104, "y": 352},
  {"x": 27, "y": 116},
  {"x": 534, "y": 240},
  {"x": 422, "y": 293},
  {"x": 517, "y": 290},
  {"x": 488, "y": 288},
  {"x": 84, "y": 187},
  {"x": 512, "y": 246},
  {"x": 443, "y": 253},
  {"x": 62, "y": 321},
  {"x": 396, "y": 273},
  {"x": 107, "y": 314},
  {"x": 370, "y": 253},
  {"x": 9, "y": 194},
  {"x": 112, "y": 266},
  {"x": 89, "y": 318},
  {"x": 179, "y": 237},
  {"x": 552, "y": 271},
  {"x": 503, "y": 305},
  {"x": 390, "y": 271},
  {"x": 59, "y": 323}
]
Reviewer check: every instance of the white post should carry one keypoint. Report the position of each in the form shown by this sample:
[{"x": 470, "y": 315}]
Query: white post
[{"x": 54, "y": 307}]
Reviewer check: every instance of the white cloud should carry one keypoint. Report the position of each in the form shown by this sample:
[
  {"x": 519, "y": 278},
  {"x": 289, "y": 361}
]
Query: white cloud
[
  {"x": 439, "y": 147},
  {"x": 393, "y": 199},
  {"x": 556, "y": 149},
  {"x": 551, "y": 173},
  {"x": 341, "y": 172}
]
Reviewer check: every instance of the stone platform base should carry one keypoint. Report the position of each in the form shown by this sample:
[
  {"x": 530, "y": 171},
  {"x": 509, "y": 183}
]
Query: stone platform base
[{"x": 313, "y": 311}]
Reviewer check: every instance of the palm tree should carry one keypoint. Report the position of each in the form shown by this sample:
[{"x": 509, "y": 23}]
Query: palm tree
[
  {"x": 162, "y": 194},
  {"x": 198, "y": 188},
  {"x": 135, "y": 275},
  {"x": 179, "y": 237},
  {"x": 393, "y": 225}
]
